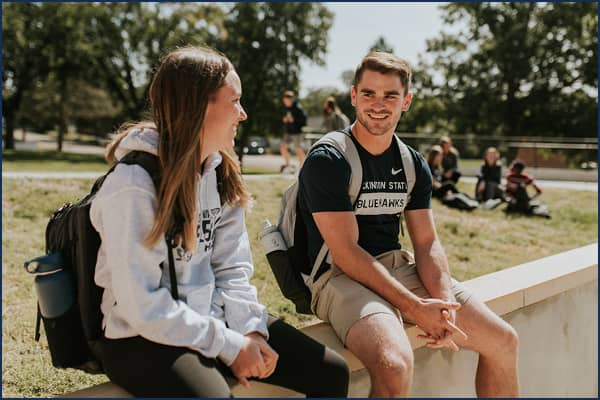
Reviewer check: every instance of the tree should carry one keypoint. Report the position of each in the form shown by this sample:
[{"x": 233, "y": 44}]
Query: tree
[
  {"x": 381, "y": 45},
  {"x": 517, "y": 69},
  {"x": 22, "y": 59},
  {"x": 129, "y": 38},
  {"x": 67, "y": 49},
  {"x": 266, "y": 42},
  {"x": 67, "y": 52},
  {"x": 64, "y": 49},
  {"x": 89, "y": 107},
  {"x": 347, "y": 77}
]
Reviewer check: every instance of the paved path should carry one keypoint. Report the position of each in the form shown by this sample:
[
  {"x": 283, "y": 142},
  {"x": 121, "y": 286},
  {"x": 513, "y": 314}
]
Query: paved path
[
  {"x": 271, "y": 162},
  {"x": 572, "y": 185},
  {"x": 589, "y": 186},
  {"x": 546, "y": 177}
]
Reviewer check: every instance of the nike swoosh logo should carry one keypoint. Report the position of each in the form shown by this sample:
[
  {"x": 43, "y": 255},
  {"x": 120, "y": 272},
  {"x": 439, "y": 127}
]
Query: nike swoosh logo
[{"x": 396, "y": 171}]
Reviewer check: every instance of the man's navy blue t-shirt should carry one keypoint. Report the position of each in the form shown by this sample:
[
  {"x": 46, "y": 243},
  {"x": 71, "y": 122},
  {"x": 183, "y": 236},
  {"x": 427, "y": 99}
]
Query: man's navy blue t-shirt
[{"x": 323, "y": 186}]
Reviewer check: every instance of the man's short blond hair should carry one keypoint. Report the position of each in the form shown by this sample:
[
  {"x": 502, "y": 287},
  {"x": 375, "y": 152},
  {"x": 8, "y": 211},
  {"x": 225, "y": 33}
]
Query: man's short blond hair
[{"x": 385, "y": 63}]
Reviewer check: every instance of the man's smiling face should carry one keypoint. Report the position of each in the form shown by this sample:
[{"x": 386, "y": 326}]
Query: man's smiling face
[{"x": 380, "y": 100}]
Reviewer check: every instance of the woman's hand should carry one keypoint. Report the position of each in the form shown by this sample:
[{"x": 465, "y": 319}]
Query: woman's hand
[
  {"x": 270, "y": 356},
  {"x": 256, "y": 359}
]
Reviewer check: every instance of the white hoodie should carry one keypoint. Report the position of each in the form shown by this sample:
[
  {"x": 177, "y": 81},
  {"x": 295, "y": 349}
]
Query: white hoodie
[{"x": 217, "y": 305}]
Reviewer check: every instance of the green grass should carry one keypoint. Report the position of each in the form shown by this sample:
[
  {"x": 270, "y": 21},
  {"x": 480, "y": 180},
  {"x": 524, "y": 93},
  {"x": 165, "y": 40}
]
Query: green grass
[
  {"x": 476, "y": 243},
  {"x": 257, "y": 171},
  {"x": 51, "y": 161},
  {"x": 470, "y": 162}
]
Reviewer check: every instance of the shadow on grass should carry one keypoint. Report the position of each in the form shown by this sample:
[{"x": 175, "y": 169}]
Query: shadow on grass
[{"x": 49, "y": 155}]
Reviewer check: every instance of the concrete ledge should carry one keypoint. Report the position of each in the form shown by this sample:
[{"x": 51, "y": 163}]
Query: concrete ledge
[
  {"x": 503, "y": 291},
  {"x": 106, "y": 389}
]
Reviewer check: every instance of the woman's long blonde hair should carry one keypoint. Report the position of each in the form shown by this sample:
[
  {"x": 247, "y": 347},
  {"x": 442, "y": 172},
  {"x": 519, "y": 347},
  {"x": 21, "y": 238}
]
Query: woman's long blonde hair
[
  {"x": 181, "y": 89},
  {"x": 432, "y": 154}
]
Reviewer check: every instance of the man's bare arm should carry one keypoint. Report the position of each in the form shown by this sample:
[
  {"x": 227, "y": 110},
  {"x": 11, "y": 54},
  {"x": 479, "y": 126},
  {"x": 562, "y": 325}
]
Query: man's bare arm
[
  {"x": 340, "y": 232},
  {"x": 430, "y": 256},
  {"x": 432, "y": 266}
]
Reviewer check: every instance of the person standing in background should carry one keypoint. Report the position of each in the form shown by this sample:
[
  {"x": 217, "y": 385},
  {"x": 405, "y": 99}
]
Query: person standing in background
[
  {"x": 333, "y": 118},
  {"x": 293, "y": 121}
]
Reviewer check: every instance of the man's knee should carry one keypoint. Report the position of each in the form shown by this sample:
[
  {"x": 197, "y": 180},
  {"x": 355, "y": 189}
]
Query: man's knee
[
  {"x": 380, "y": 342},
  {"x": 505, "y": 340},
  {"x": 393, "y": 375},
  {"x": 509, "y": 337},
  {"x": 397, "y": 363}
]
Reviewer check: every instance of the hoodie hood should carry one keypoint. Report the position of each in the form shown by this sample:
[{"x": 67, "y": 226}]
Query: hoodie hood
[
  {"x": 146, "y": 139},
  {"x": 138, "y": 139}
]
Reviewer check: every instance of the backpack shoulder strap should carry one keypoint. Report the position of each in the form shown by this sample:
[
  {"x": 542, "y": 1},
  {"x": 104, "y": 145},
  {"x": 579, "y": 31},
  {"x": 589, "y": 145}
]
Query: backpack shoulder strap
[
  {"x": 343, "y": 143},
  {"x": 408, "y": 163},
  {"x": 151, "y": 165},
  {"x": 147, "y": 161}
]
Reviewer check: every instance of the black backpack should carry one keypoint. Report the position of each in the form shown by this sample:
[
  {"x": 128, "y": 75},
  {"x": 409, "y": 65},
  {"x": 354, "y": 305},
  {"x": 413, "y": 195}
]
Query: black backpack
[
  {"x": 64, "y": 279},
  {"x": 460, "y": 201}
]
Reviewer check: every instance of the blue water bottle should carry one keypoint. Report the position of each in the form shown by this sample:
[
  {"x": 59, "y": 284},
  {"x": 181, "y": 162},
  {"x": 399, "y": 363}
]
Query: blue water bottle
[
  {"x": 57, "y": 308},
  {"x": 53, "y": 284}
]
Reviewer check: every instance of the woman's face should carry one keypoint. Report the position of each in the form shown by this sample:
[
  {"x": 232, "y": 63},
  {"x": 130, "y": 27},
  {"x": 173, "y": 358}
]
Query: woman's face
[
  {"x": 437, "y": 160},
  {"x": 491, "y": 157},
  {"x": 223, "y": 115}
]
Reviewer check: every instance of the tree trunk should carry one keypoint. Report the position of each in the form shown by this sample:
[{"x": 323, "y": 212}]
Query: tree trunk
[
  {"x": 62, "y": 114},
  {"x": 9, "y": 111},
  {"x": 240, "y": 154},
  {"x": 9, "y": 137}
]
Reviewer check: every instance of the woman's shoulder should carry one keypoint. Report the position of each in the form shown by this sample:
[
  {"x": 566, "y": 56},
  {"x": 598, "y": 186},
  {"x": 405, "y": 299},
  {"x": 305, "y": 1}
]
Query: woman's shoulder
[{"x": 127, "y": 177}]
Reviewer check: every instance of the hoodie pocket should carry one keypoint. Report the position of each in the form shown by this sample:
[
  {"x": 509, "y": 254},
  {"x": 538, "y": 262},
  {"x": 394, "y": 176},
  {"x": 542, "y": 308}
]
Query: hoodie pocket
[{"x": 200, "y": 299}]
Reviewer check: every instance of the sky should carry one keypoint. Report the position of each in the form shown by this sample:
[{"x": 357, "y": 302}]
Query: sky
[{"x": 356, "y": 27}]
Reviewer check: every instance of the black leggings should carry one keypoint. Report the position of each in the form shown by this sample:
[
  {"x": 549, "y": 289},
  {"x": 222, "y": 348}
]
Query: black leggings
[
  {"x": 149, "y": 369},
  {"x": 492, "y": 190},
  {"x": 446, "y": 187}
]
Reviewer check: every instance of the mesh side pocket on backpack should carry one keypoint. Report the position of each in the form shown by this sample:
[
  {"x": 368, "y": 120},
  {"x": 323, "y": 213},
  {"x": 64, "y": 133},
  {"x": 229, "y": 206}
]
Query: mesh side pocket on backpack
[{"x": 66, "y": 341}]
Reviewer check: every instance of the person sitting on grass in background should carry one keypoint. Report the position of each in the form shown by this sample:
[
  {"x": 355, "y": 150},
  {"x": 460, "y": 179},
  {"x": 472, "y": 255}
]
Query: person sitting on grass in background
[
  {"x": 443, "y": 189},
  {"x": 449, "y": 160},
  {"x": 488, "y": 190},
  {"x": 517, "y": 182},
  {"x": 159, "y": 343}
]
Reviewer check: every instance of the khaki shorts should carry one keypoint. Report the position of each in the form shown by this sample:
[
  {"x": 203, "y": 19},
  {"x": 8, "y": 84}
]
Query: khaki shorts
[
  {"x": 342, "y": 301},
  {"x": 295, "y": 138}
]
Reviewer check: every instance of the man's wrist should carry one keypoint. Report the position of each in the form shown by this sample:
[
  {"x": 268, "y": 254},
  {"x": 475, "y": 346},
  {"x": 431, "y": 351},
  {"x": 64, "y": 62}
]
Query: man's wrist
[{"x": 410, "y": 304}]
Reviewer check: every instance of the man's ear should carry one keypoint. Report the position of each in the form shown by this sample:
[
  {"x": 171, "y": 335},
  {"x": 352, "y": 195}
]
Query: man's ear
[
  {"x": 406, "y": 102},
  {"x": 353, "y": 95}
]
